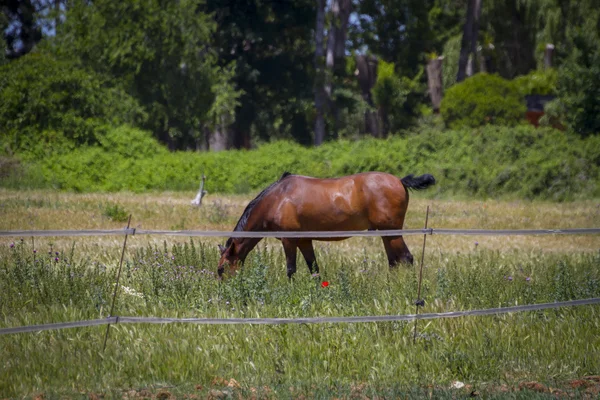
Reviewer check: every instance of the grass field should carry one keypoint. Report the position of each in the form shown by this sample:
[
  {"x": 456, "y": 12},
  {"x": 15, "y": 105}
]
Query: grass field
[{"x": 63, "y": 279}]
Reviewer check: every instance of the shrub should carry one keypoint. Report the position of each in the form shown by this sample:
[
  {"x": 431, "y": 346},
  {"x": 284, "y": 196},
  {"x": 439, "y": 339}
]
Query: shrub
[
  {"x": 482, "y": 99},
  {"x": 396, "y": 97},
  {"x": 50, "y": 105},
  {"x": 490, "y": 161},
  {"x": 115, "y": 212},
  {"x": 578, "y": 103},
  {"x": 541, "y": 82},
  {"x": 130, "y": 143}
]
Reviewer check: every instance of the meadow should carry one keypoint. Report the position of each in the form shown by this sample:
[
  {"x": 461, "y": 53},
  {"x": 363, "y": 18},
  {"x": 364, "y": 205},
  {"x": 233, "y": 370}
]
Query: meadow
[{"x": 45, "y": 280}]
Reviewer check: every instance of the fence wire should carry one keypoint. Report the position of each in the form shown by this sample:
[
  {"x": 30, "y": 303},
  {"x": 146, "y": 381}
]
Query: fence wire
[
  {"x": 307, "y": 234},
  {"x": 303, "y": 234},
  {"x": 287, "y": 321}
]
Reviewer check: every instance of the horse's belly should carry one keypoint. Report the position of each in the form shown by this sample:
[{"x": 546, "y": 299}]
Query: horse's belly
[{"x": 332, "y": 221}]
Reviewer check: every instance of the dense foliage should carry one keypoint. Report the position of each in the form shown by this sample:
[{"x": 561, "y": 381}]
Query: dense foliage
[
  {"x": 578, "y": 85},
  {"x": 93, "y": 93},
  {"x": 541, "y": 82},
  {"x": 489, "y": 161},
  {"x": 214, "y": 75},
  {"x": 51, "y": 105},
  {"x": 396, "y": 98},
  {"x": 483, "y": 99},
  {"x": 155, "y": 50}
]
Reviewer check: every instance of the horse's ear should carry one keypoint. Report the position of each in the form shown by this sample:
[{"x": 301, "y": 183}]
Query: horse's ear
[{"x": 222, "y": 249}]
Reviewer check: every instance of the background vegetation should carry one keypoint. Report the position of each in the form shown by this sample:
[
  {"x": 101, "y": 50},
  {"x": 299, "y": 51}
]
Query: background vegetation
[
  {"x": 485, "y": 162},
  {"x": 206, "y": 75}
]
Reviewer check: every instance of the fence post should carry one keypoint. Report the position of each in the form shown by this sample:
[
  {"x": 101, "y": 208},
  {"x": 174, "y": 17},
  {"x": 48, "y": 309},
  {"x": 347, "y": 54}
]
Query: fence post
[
  {"x": 419, "y": 301},
  {"x": 112, "y": 307}
]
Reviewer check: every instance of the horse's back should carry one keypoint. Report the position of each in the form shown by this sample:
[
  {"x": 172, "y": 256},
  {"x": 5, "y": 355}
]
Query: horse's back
[{"x": 355, "y": 202}]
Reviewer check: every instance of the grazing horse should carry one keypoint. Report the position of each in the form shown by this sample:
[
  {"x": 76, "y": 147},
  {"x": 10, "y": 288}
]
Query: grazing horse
[{"x": 370, "y": 200}]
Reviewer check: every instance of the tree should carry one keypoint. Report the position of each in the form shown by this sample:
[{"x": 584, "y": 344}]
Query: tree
[
  {"x": 578, "y": 85},
  {"x": 320, "y": 94},
  {"x": 405, "y": 31},
  {"x": 468, "y": 43},
  {"x": 222, "y": 111},
  {"x": 272, "y": 46},
  {"x": 51, "y": 105},
  {"x": 159, "y": 51},
  {"x": 23, "y": 31},
  {"x": 335, "y": 55}
]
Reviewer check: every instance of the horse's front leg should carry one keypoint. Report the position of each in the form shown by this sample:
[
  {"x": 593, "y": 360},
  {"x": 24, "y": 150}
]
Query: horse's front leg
[
  {"x": 289, "y": 247},
  {"x": 307, "y": 250}
]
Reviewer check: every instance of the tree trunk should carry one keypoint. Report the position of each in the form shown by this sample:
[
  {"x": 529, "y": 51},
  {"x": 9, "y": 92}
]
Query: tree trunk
[
  {"x": 367, "y": 76},
  {"x": 474, "y": 35},
  {"x": 342, "y": 31},
  {"x": 470, "y": 68},
  {"x": 548, "y": 55},
  {"x": 465, "y": 43},
  {"x": 239, "y": 134},
  {"x": 434, "y": 82},
  {"x": 331, "y": 35},
  {"x": 217, "y": 138},
  {"x": 319, "y": 79},
  {"x": 330, "y": 58},
  {"x": 336, "y": 47}
]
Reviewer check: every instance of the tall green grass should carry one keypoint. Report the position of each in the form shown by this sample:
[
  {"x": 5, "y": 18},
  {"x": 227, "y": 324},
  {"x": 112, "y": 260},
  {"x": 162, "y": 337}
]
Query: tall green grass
[{"x": 178, "y": 281}]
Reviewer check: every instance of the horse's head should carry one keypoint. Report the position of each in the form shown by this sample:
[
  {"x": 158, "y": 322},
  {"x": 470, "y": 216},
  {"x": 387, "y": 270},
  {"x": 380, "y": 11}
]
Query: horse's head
[{"x": 230, "y": 259}]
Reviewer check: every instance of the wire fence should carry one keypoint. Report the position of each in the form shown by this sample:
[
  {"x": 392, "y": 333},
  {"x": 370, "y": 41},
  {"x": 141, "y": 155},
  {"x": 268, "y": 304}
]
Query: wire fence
[
  {"x": 302, "y": 234},
  {"x": 307, "y": 320}
]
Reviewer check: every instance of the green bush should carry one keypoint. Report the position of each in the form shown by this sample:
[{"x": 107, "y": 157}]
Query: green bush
[
  {"x": 490, "y": 161},
  {"x": 542, "y": 82},
  {"x": 125, "y": 159},
  {"x": 115, "y": 212},
  {"x": 578, "y": 103},
  {"x": 51, "y": 105},
  {"x": 480, "y": 100},
  {"x": 396, "y": 97}
]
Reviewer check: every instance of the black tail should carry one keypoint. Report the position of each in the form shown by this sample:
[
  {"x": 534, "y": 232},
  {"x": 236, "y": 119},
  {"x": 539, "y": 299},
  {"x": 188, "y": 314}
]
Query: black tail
[{"x": 418, "y": 183}]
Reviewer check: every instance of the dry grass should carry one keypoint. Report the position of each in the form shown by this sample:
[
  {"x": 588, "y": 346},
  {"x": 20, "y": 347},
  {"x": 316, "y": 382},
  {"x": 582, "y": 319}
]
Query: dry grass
[{"x": 33, "y": 210}]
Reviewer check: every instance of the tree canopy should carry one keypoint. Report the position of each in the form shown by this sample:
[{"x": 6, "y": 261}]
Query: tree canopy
[{"x": 213, "y": 75}]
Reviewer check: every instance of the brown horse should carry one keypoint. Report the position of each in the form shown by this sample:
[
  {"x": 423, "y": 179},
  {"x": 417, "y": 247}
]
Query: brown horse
[{"x": 370, "y": 200}]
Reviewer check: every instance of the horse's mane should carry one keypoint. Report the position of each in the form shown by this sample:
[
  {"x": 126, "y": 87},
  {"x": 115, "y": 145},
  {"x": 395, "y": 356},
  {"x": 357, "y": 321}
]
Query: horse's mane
[{"x": 241, "y": 224}]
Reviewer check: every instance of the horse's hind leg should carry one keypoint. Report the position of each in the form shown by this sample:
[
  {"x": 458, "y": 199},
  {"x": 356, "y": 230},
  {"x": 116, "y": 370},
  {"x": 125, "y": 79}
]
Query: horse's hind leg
[
  {"x": 307, "y": 250},
  {"x": 289, "y": 247},
  {"x": 396, "y": 250}
]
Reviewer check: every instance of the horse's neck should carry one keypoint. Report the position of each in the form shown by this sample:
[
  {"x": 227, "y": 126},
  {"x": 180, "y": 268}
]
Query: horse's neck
[{"x": 245, "y": 246}]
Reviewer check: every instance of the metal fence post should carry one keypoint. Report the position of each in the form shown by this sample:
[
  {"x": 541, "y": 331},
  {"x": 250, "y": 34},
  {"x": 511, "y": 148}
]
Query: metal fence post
[
  {"x": 419, "y": 301},
  {"x": 112, "y": 307}
]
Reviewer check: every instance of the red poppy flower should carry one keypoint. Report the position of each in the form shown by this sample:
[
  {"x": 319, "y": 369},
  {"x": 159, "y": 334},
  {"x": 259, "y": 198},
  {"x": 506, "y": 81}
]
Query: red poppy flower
[{"x": 324, "y": 284}]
